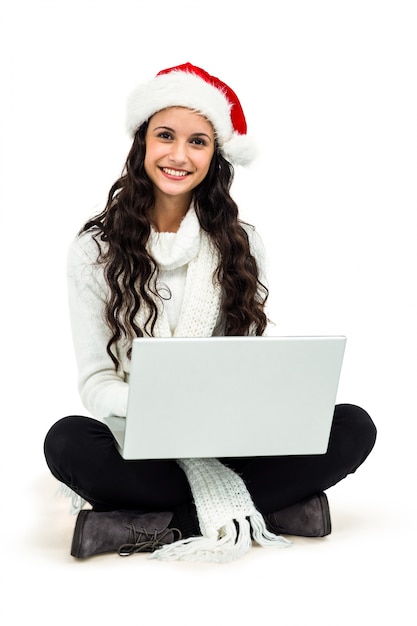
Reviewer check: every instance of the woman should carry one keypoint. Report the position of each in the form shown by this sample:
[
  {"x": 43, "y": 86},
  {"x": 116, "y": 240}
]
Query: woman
[{"x": 169, "y": 256}]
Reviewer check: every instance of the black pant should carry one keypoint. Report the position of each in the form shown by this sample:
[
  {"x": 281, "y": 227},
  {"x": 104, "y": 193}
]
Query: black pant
[{"x": 81, "y": 453}]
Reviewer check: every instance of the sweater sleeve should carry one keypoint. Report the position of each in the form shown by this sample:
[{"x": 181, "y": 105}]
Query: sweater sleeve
[
  {"x": 258, "y": 250},
  {"x": 103, "y": 391}
]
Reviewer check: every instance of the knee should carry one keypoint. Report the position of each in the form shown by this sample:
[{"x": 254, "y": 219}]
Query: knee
[
  {"x": 61, "y": 436},
  {"x": 358, "y": 420},
  {"x": 356, "y": 430}
]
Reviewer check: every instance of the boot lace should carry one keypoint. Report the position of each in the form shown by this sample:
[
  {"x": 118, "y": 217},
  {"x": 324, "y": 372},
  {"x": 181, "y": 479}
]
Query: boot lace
[{"x": 143, "y": 541}]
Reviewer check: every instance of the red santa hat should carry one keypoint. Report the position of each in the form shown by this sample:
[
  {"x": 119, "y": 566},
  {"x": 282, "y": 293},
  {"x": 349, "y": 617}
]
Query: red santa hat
[{"x": 192, "y": 87}]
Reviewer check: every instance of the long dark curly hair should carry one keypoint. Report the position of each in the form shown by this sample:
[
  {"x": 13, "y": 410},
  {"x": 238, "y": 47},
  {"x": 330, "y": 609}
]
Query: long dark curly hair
[{"x": 130, "y": 271}]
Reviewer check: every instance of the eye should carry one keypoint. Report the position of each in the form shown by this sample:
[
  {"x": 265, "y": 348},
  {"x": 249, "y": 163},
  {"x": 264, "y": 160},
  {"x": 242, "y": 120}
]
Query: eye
[
  {"x": 165, "y": 135},
  {"x": 198, "y": 141}
]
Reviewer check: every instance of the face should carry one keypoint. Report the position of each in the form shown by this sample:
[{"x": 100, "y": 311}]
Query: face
[{"x": 179, "y": 149}]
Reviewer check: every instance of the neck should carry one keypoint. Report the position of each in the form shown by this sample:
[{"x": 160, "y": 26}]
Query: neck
[{"x": 168, "y": 214}]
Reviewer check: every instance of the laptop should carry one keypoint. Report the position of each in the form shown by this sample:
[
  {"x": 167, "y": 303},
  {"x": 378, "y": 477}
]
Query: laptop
[{"x": 229, "y": 397}]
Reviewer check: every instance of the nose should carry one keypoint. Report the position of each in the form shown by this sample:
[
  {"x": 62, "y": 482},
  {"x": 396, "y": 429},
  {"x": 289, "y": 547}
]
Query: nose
[{"x": 178, "y": 152}]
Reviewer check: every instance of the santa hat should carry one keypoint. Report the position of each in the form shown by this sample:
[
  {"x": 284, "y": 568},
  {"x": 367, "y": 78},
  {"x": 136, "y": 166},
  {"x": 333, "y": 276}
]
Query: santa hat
[{"x": 190, "y": 86}]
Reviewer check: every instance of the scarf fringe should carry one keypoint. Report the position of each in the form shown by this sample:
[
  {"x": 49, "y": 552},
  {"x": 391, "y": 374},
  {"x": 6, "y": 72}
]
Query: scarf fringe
[
  {"x": 77, "y": 502},
  {"x": 263, "y": 536},
  {"x": 232, "y": 541}
]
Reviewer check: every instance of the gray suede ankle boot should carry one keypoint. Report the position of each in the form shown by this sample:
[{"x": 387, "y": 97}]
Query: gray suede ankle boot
[
  {"x": 125, "y": 532},
  {"x": 308, "y": 518}
]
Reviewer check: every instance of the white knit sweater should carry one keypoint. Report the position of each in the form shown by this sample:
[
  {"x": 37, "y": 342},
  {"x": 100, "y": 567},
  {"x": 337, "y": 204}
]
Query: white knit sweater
[{"x": 103, "y": 390}]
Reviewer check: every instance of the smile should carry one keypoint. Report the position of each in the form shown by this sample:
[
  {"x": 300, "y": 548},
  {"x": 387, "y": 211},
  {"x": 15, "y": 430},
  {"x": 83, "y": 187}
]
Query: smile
[{"x": 176, "y": 173}]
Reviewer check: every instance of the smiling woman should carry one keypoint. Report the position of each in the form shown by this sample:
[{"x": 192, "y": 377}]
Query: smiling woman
[{"x": 170, "y": 257}]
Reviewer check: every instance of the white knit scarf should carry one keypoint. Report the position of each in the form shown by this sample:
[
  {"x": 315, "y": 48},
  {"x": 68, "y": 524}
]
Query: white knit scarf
[
  {"x": 227, "y": 516},
  {"x": 202, "y": 294},
  {"x": 226, "y": 513}
]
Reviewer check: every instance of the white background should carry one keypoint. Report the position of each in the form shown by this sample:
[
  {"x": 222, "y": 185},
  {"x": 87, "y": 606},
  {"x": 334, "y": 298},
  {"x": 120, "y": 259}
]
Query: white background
[{"x": 329, "y": 91}]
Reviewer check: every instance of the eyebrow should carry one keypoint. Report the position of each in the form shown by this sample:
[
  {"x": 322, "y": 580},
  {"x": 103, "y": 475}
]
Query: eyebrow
[{"x": 173, "y": 131}]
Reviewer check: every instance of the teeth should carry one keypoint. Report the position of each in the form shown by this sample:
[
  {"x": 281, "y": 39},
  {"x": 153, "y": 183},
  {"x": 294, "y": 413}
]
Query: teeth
[{"x": 174, "y": 172}]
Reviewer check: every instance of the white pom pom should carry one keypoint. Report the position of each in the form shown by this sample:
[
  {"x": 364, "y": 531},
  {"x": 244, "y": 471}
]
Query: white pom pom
[{"x": 239, "y": 150}]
